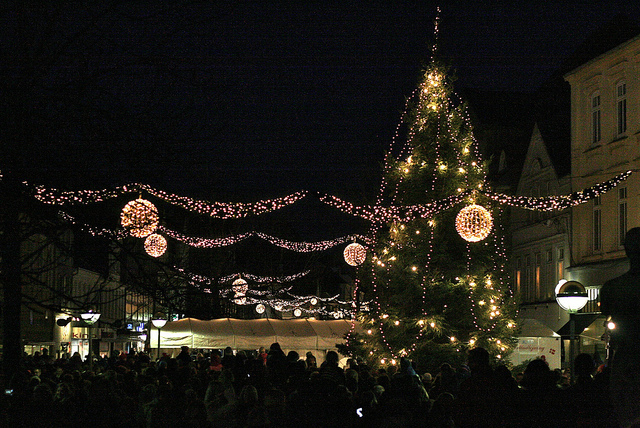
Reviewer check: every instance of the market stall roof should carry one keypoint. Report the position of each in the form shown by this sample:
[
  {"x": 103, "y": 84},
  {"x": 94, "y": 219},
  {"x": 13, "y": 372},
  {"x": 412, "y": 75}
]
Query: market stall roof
[{"x": 251, "y": 334}]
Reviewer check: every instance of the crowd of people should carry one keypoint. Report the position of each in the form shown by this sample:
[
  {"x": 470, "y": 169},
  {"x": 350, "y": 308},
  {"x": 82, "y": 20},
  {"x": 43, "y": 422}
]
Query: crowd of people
[{"x": 269, "y": 388}]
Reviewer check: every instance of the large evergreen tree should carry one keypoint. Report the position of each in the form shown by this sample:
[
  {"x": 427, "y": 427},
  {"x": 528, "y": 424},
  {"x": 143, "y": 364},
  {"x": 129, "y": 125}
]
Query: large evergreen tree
[{"x": 432, "y": 293}]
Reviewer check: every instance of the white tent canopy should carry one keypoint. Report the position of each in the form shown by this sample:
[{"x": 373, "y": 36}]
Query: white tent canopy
[
  {"x": 536, "y": 340},
  {"x": 300, "y": 335}
]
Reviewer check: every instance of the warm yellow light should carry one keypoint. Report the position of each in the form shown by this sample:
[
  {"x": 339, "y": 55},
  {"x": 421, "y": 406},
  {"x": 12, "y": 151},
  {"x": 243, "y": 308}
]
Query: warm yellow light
[
  {"x": 354, "y": 254},
  {"x": 611, "y": 325},
  {"x": 433, "y": 325},
  {"x": 453, "y": 339},
  {"x": 417, "y": 232},
  {"x": 461, "y": 170},
  {"x": 139, "y": 217},
  {"x": 481, "y": 302},
  {"x": 155, "y": 245},
  {"x": 397, "y": 322},
  {"x": 474, "y": 223},
  {"x": 393, "y": 362},
  {"x": 421, "y": 322},
  {"x": 442, "y": 167},
  {"x": 383, "y": 361},
  {"x": 414, "y": 268},
  {"x": 369, "y": 332},
  {"x": 472, "y": 342}
]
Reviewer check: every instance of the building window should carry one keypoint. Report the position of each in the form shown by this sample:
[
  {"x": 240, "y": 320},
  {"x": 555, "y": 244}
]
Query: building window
[
  {"x": 528, "y": 278},
  {"x": 560, "y": 265},
  {"x": 597, "y": 225},
  {"x": 518, "y": 275},
  {"x": 537, "y": 276},
  {"x": 596, "y": 134},
  {"x": 621, "y": 107},
  {"x": 622, "y": 214}
]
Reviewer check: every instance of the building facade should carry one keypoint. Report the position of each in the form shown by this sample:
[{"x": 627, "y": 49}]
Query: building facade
[
  {"x": 540, "y": 240},
  {"x": 605, "y": 141}
]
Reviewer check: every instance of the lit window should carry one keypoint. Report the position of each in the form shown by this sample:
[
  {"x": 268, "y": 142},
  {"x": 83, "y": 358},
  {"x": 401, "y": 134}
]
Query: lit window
[
  {"x": 597, "y": 225},
  {"x": 537, "y": 276}
]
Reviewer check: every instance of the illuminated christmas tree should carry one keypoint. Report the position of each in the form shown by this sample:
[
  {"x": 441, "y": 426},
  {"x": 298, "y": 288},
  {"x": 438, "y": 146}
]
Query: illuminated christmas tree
[{"x": 434, "y": 293}]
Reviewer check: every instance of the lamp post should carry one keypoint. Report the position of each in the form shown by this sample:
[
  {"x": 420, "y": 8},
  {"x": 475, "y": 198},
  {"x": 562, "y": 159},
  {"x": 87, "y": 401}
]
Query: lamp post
[
  {"x": 158, "y": 322},
  {"x": 571, "y": 296},
  {"x": 90, "y": 318}
]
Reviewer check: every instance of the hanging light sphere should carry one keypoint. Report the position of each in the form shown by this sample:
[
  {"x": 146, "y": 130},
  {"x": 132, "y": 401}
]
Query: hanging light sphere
[
  {"x": 297, "y": 312},
  {"x": 240, "y": 286},
  {"x": 355, "y": 254},
  {"x": 139, "y": 217},
  {"x": 474, "y": 223},
  {"x": 260, "y": 308},
  {"x": 155, "y": 245}
]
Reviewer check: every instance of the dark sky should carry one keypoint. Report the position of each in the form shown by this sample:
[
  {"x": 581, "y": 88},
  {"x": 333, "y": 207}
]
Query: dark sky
[{"x": 250, "y": 100}]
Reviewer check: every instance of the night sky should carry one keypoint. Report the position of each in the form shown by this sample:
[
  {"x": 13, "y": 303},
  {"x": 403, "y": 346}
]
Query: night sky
[{"x": 240, "y": 101}]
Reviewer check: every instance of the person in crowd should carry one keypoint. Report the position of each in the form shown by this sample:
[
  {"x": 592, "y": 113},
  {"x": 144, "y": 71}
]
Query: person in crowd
[
  {"x": 588, "y": 398},
  {"x": 311, "y": 362},
  {"x": 330, "y": 372},
  {"x": 262, "y": 355},
  {"x": 276, "y": 365},
  {"x": 620, "y": 300},
  {"x": 184, "y": 357}
]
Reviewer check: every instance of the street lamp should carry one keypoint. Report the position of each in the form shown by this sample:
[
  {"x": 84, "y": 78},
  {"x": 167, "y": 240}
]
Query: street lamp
[
  {"x": 571, "y": 296},
  {"x": 90, "y": 318},
  {"x": 158, "y": 322}
]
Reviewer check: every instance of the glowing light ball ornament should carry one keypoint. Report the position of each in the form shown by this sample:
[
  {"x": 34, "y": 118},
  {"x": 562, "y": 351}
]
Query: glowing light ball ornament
[
  {"x": 240, "y": 286},
  {"x": 260, "y": 308},
  {"x": 355, "y": 254},
  {"x": 140, "y": 218},
  {"x": 474, "y": 223},
  {"x": 155, "y": 245}
]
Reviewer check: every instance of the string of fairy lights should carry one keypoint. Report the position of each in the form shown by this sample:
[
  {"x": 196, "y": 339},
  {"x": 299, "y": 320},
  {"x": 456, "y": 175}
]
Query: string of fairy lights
[{"x": 297, "y": 246}]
